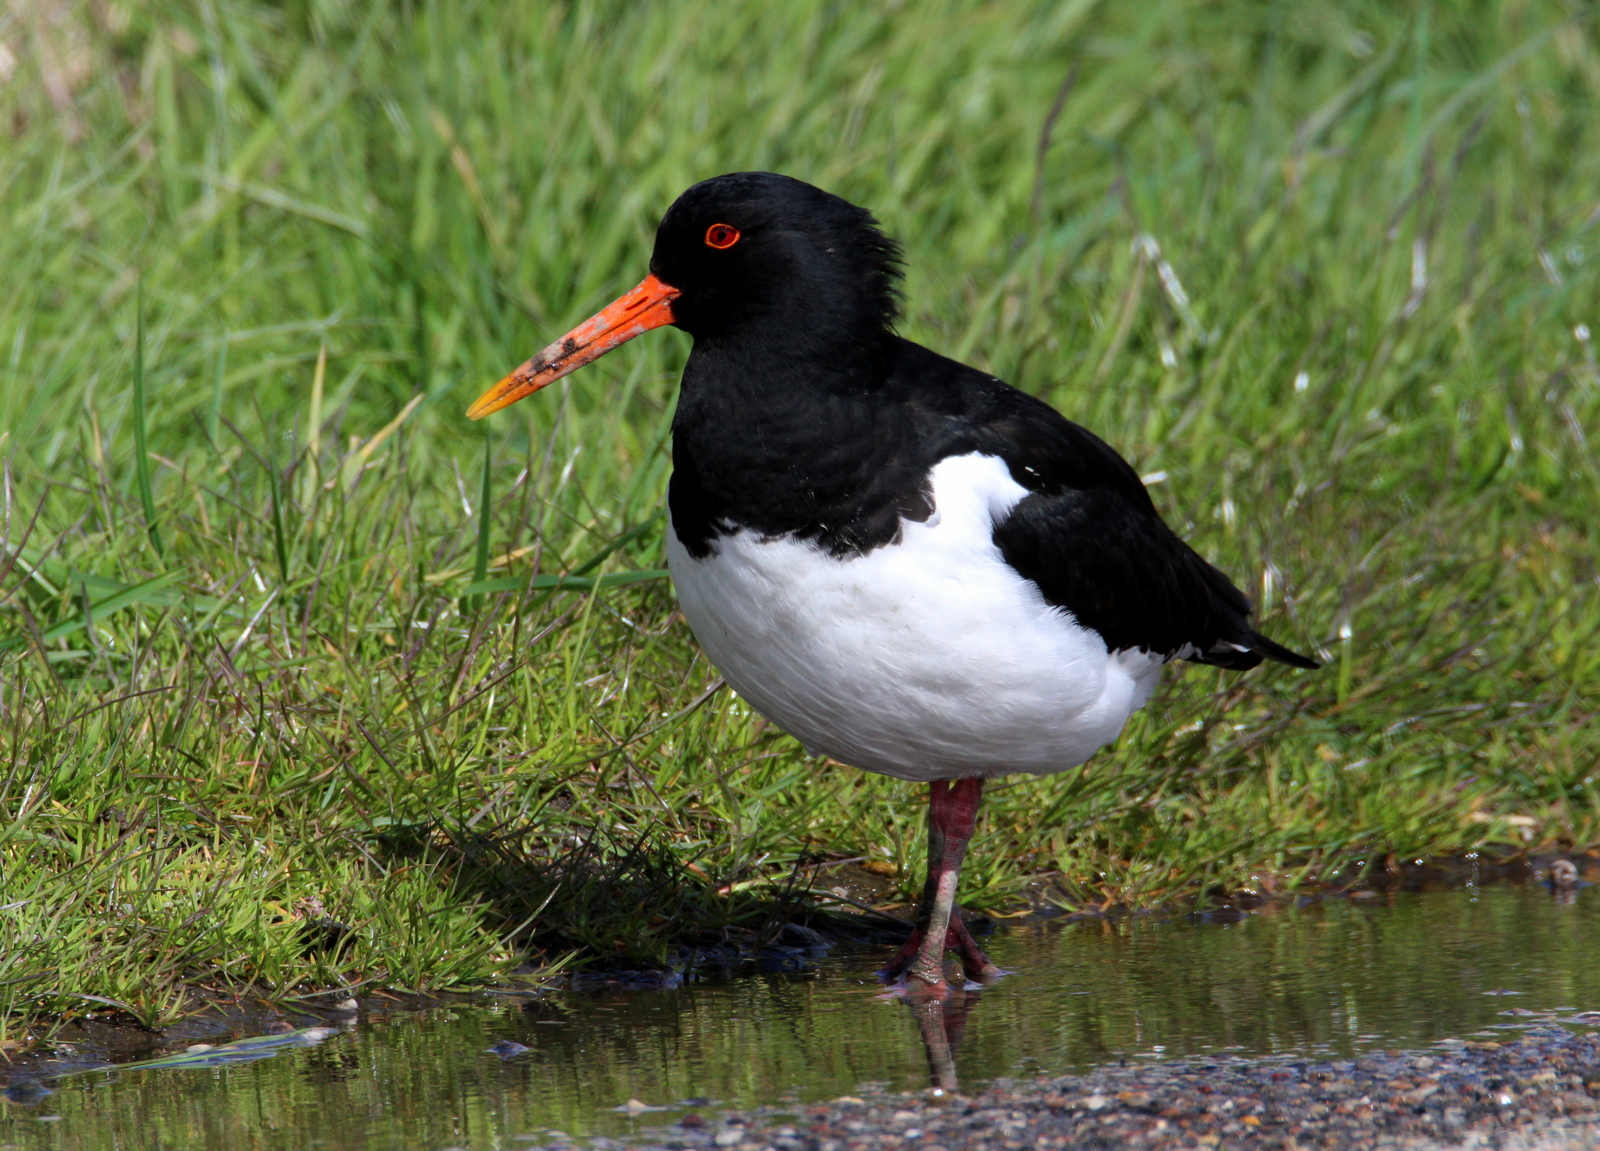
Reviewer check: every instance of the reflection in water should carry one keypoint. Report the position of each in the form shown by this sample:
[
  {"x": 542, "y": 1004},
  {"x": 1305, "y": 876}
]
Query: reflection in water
[
  {"x": 940, "y": 1020},
  {"x": 1334, "y": 977}
]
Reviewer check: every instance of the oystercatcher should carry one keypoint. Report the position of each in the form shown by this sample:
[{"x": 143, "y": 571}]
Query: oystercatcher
[{"x": 902, "y": 561}]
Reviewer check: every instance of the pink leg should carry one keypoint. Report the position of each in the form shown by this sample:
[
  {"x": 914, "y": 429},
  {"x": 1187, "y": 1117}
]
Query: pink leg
[{"x": 952, "y": 811}]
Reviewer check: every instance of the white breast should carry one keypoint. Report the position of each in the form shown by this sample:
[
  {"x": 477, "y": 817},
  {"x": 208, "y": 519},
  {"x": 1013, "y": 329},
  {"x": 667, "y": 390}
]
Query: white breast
[{"x": 926, "y": 659}]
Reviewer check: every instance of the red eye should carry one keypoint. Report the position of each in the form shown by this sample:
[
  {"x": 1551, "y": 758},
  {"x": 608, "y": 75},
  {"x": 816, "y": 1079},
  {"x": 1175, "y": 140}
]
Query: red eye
[{"x": 722, "y": 236}]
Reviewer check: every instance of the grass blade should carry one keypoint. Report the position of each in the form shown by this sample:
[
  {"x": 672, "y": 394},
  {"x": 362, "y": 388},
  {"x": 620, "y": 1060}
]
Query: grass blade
[
  {"x": 480, "y": 560},
  {"x": 219, "y": 372},
  {"x": 563, "y": 582},
  {"x": 280, "y": 541},
  {"x": 141, "y": 458},
  {"x": 145, "y": 592}
]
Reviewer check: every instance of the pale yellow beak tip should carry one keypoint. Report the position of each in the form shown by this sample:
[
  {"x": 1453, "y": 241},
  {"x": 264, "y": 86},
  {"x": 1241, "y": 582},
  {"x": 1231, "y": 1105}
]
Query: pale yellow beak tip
[{"x": 503, "y": 394}]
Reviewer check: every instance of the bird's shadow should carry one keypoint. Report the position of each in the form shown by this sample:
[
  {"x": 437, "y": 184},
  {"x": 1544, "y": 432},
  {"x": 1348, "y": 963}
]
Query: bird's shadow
[{"x": 628, "y": 903}]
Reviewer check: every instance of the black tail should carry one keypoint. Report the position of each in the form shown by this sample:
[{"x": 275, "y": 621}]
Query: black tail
[
  {"x": 1276, "y": 651},
  {"x": 1239, "y": 647},
  {"x": 1248, "y": 652}
]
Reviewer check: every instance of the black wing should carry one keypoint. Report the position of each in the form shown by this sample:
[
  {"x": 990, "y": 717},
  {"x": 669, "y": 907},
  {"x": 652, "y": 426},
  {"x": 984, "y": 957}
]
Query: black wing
[{"x": 1088, "y": 534}]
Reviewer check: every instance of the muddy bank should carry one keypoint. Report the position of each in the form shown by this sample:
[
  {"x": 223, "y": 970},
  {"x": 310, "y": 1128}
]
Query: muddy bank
[{"x": 1540, "y": 1091}]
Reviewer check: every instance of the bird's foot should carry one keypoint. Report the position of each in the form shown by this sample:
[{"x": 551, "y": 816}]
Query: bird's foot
[
  {"x": 915, "y": 991},
  {"x": 977, "y": 966},
  {"x": 919, "y": 970}
]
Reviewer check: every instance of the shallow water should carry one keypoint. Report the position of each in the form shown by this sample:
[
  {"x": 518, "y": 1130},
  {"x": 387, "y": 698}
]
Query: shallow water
[{"x": 1332, "y": 978}]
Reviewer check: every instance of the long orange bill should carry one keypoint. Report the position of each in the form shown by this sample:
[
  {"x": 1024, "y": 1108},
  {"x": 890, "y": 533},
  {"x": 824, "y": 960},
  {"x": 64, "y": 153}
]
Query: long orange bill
[{"x": 647, "y": 306}]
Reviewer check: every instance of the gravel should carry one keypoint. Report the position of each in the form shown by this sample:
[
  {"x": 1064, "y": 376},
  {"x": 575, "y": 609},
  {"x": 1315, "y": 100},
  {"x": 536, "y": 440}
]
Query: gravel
[{"x": 1537, "y": 1093}]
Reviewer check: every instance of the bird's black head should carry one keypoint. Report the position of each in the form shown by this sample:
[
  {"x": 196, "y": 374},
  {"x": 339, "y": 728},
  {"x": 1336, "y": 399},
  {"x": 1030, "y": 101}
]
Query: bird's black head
[
  {"x": 752, "y": 261},
  {"x": 758, "y": 251}
]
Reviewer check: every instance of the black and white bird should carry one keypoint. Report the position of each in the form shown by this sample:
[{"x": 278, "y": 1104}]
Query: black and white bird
[{"x": 905, "y": 563}]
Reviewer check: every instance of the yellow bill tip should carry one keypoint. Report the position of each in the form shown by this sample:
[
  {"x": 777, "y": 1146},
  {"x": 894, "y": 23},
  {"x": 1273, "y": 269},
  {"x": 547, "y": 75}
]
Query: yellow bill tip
[{"x": 507, "y": 392}]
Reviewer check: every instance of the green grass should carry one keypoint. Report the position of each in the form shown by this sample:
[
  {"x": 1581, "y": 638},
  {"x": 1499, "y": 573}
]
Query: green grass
[{"x": 273, "y": 640}]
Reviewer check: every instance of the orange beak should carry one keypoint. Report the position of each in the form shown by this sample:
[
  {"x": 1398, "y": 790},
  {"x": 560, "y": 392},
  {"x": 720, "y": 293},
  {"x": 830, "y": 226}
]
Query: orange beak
[{"x": 647, "y": 306}]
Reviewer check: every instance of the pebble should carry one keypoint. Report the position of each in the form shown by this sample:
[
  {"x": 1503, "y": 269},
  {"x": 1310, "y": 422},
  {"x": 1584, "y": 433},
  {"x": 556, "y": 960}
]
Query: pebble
[{"x": 1540, "y": 1093}]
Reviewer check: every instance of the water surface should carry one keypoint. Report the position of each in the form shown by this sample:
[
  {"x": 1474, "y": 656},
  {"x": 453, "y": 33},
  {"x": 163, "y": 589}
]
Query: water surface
[{"x": 1333, "y": 978}]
